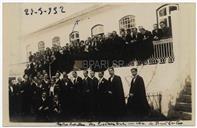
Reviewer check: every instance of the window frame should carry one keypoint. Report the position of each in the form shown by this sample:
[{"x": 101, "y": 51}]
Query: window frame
[
  {"x": 95, "y": 26},
  {"x": 41, "y": 46},
  {"x": 56, "y": 42},
  {"x": 126, "y": 21}
]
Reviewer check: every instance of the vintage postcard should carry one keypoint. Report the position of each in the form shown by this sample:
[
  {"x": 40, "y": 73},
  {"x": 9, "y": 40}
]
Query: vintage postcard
[{"x": 98, "y": 64}]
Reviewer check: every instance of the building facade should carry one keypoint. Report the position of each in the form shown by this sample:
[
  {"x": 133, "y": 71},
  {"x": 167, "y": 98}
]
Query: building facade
[{"x": 100, "y": 19}]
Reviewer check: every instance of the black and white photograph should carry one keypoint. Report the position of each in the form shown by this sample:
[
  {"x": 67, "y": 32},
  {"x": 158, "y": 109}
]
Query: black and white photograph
[{"x": 99, "y": 63}]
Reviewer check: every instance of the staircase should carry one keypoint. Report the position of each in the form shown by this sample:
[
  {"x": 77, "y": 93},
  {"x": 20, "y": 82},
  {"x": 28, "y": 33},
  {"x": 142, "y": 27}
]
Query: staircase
[{"x": 182, "y": 110}]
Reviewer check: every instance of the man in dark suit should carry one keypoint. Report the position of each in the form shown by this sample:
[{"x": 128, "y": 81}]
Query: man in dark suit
[
  {"x": 157, "y": 32},
  {"x": 76, "y": 95},
  {"x": 56, "y": 110},
  {"x": 27, "y": 97},
  {"x": 66, "y": 96},
  {"x": 19, "y": 97},
  {"x": 137, "y": 105},
  {"x": 94, "y": 91},
  {"x": 94, "y": 80},
  {"x": 123, "y": 34},
  {"x": 12, "y": 99},
  {"x": 166, "y": 31},
  {"x": 103, "y": 97},
  {"x": 145, "y": 44},
  {"x": 57, "y": 80},
  {"x": 118, "y": 105},
  {"x": 46, "y": 83},
  {"x": 117, "y": 46},
  {"x": 87, "y": 95},
  {"x": 43, "y": 108},
  {"x": 144, "y": 34},
  {"x": 128, "y": 37}
]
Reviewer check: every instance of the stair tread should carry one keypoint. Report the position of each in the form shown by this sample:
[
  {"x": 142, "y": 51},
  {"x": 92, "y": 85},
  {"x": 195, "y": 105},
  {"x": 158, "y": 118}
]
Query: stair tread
[
  {"x": 182, "y": 103},
  {"x": 183, "y": 112}
]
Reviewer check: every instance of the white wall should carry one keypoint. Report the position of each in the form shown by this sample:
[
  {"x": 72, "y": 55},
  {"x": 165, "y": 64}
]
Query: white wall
[{"x": 109, "y": 17}]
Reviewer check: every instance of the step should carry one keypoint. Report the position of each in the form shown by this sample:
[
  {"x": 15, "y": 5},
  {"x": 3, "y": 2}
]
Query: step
[
  {"x": 185, "y": 107},
  {"x": 186, "y": 92},
  {"x": 184, "y": 115},
  {"x": 188, "y": 83},
  {"x": 184, "y": 98},
  {"x": 187, "y": 88}
]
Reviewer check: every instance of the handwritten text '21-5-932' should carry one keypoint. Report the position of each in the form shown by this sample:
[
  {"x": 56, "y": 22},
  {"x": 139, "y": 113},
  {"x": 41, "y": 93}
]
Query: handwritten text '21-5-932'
[{"x": 44, "y": 11}]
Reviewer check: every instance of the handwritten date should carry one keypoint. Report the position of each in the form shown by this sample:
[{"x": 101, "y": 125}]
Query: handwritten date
[{"x": 47, "y": 11}]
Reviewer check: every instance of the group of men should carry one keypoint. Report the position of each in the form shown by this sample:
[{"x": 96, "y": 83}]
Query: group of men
[
  {"x": 131, "y": 44},
  {"x": 42, "y": 97},
  {"x": 84, "y": 99}
]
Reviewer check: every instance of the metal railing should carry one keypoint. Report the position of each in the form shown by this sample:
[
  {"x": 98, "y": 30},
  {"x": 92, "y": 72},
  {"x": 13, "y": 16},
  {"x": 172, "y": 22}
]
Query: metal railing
[
  {"x": 163, "y": 53},
  {"x": 154, "y": 100}
]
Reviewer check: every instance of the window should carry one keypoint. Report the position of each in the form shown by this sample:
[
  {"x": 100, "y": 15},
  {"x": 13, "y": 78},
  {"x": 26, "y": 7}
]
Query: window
[
  {"x": 127, "y": 22},
  {"x": 74, "y": 37},
  {"x": 41, "y": 46},
  {"x": 164, "y": 13},
  {"x": 56, "y": 41},
  {"x": 97, "y": 30},
  {"x": 172, "y": 8}
]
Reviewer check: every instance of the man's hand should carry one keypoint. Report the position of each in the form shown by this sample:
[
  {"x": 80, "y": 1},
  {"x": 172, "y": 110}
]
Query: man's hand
[
  {"x": 109, "y": 92},
  {"x": 131, "y": 95},
  {"x": 40, "y": 108},
  {"x": 46, "y": 108},
  {"x": 156, "y": 38}
]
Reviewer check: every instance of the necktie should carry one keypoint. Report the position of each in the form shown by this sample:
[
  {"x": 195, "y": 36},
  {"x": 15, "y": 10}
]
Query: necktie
[
  {"x": 99, "y": 84},
  {"x": 111, "y": 79}
]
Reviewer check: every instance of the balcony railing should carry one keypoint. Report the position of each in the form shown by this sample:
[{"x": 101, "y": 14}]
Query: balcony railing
[{"x": 163, "y": 53}]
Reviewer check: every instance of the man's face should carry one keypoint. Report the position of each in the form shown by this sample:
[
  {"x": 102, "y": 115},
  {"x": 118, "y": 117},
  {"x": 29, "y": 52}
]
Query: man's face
[
  {"x": 155, "y": 26},
  {"x": 111, "y": 72},
  {"x": 89, "y": 38},
  {"x": 74, "y": 74},
  {"x": 57, "y": 75},
  {"x": 35, "y": 78},
  {"x": 39, "y": 82},
  {"x": 19, "y": 79},
  {"x": 52, "y": 81},
  {"x": 85, "y": 73},
  {"x": 99, "y": 36},
  {"x": 100, "y": 74},
  {"x": 114, "y": 33},
  {"x": 134, "y": 30},
  {"x": 162, "y": 25},
  {"x": 128, "y": 32},
  {"x": 142, "y": 30},
  {"x": 56, "y": 98},
  {"x": 64, "y": 73},
  {"x": 122, "y": 33},
  {"x": 134, "y": 72},
  {"x": 44, "y": 95},
  {"x": 46, "y": 76},
  {"x": 41, "y": 77},
  {"x": 92, "y": 74}
]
